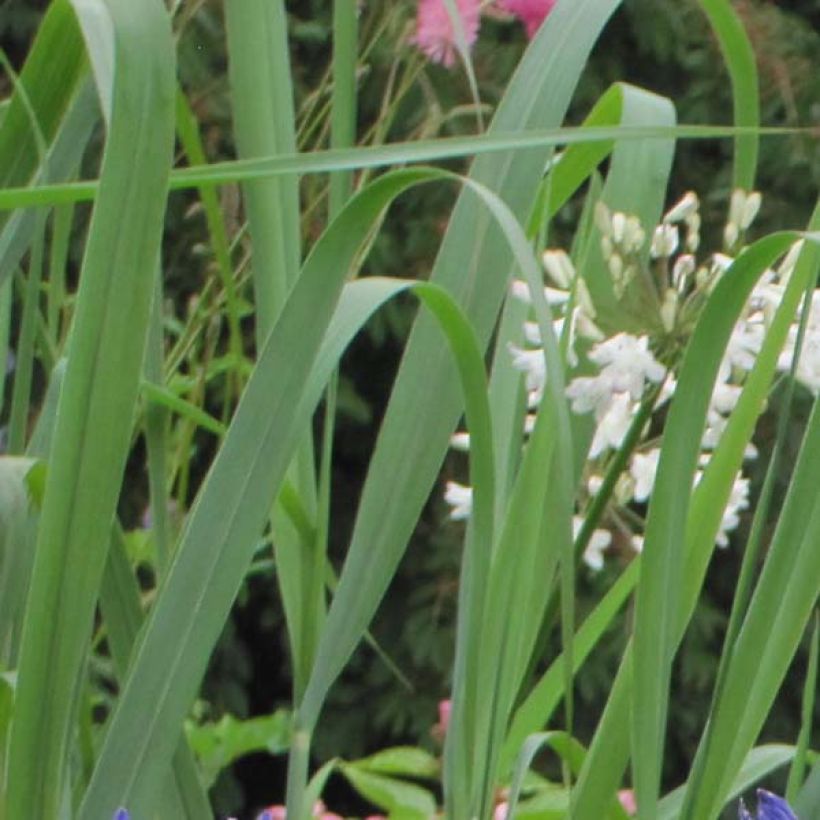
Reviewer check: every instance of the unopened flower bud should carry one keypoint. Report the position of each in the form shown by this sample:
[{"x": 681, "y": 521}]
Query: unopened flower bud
[
  {"x": 618, "y": 227},
  {"x": 669, "y": 309},
  {"x": 692, "y": 232},
  {"x": 684, "y": 208},
  {"x": 634, "y": 235},
  {"x": 664, "y": 241},
  {"x": 603, "y": 218},
  {"x": 683, "y": 268},
  {"x": 751, "y": 207},
  {"x": 560, "y": 268},
  {"x": 583, "y": 298},
  {"x": 730, "y": 235},
  {"x": 616, "y": 267}
]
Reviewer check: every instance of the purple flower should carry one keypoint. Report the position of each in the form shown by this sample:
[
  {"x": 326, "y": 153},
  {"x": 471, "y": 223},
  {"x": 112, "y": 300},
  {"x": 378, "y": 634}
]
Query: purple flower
[
  {"x": 122, "y": 814},
  {"x": 769, "y": 807}
]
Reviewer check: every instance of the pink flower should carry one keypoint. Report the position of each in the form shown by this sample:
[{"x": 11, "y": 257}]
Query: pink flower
[
  {"x": 439, "y": 729},
  {"x": 626, "y": 798},
  {"x": 435, "y": 34},
  {"x": 530, "y": 12}
]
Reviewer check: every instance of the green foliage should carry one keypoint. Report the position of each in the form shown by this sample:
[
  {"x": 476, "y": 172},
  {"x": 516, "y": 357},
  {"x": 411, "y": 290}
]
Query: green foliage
[{"x": 228, "y": 497}]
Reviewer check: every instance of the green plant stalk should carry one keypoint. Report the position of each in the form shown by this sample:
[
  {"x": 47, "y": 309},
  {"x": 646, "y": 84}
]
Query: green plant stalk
[
  {"x": 156, "y": 435},
  {"x": 61, "y": 222},
  {"x": 24, "y": 366},
  {"x": 343, "y": 102},
  {"x": 188, "y": 132}
]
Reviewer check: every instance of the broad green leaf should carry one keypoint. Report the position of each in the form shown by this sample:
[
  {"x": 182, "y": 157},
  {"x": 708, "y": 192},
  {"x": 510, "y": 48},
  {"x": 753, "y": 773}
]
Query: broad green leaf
[
  {"x": 218, "y": 745},
  {"x": 409, "y": 761},
  {"x": 398, "y": 797}
]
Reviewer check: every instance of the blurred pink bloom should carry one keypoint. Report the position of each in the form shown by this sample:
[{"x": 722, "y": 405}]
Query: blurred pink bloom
[
  {"x": 530, "y": 12},
  {"x": 439, "y": 729},
  {"x": 435, "y": 34},
  {"x": 627, "y": 798},
  {"x": 445, "y": 707},
  {"x": 500, "y": 812}
]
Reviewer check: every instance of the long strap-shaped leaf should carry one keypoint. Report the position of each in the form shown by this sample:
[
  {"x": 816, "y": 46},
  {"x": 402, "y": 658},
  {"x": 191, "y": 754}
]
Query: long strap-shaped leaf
[
  {"x": 608, "y": 753},
  {"x": 741, "y": 63},
  {"x": 95, "y": 414},
  {"x": 229, "y": 514},
  {"x": 473, "y": 263}
]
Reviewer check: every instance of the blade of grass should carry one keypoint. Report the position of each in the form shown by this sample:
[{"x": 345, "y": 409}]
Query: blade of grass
[
  {"x": 93, "y": 428},
  {"x": 741, "y": 63},
  {"x": 379, "y": 156}
]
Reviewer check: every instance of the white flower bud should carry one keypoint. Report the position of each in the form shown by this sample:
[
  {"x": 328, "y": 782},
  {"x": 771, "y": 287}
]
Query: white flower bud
[
  {"x": 669, "y": 309},
  {"x": 665, "y": 240},
  {"x": 736, "y": 205},
  {"x": 751, "y": 207},
  {"x": 560, "y": 268},
  {"x": 603, "y": 218},
  {"x": 583, "y": 298},
  {"x": 634, "y": 235},
  {"x": 606, "y": 247},
  {"x": 683, "y": 208},
  {"x": 683, "y": 268},
  {"x": 618, "y": 227},
  {"x": 616, "y": 267},
  {"x": 692, "y": 232},
  {"x": 460, "y": 442},
  {"x": 730, "y": 234}
]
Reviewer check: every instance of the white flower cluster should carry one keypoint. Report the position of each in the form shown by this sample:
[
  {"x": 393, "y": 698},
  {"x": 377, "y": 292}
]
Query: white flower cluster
[{"x": 626, "y": 364}]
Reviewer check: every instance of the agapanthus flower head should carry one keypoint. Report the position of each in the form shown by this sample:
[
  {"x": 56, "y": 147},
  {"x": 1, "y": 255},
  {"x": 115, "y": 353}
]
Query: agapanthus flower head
[
  {"x": 435, "y": 34},
  {"x": 122, "y": 814},
  {"x": 530, "y": 12},
  {"x": 769, "y": 807}
]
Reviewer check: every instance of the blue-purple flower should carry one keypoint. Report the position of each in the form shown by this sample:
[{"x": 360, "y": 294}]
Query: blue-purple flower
[
  {"x": 769, "y": 807},
  {"x": 122, "y": 814}
]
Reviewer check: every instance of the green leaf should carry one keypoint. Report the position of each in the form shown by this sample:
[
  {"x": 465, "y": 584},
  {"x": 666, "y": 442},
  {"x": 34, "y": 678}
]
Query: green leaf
[
  {"x": 408, "y": 761},
  {"x": 741, "y": 62},
  {"x": 404, "y": 801},
  {"x": 224, "y": 526},
  {"x": 93, "y": 430},
  {"x": 218, "y": 745}
]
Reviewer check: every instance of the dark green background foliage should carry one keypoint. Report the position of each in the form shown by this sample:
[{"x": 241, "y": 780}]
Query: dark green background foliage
[{"x": 662, "y": 45}]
